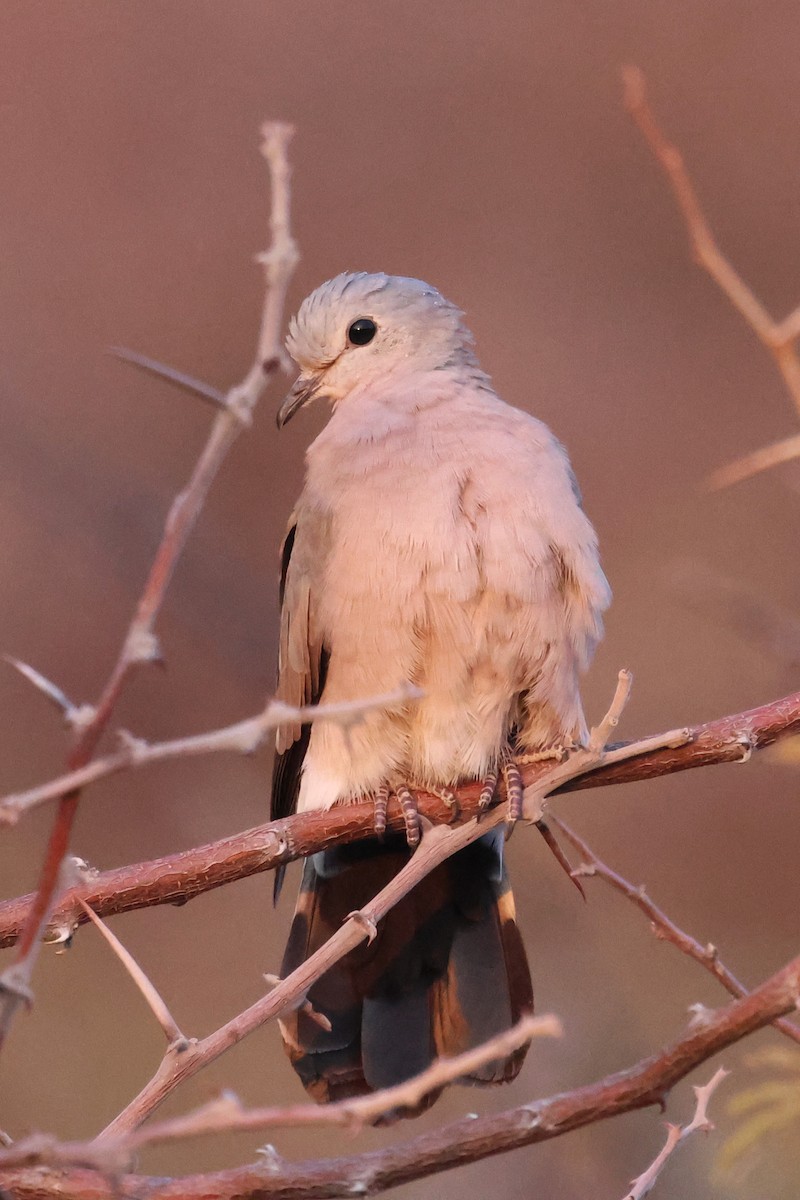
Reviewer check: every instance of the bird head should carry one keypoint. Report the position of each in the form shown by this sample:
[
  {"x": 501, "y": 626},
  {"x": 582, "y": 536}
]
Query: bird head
[{"x": 356, "y": 329}]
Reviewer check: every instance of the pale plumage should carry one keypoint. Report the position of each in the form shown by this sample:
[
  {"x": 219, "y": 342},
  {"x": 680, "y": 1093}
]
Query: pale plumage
[{"x": 439, "y": 540}]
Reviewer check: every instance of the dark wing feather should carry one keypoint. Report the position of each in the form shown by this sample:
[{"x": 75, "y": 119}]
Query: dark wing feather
[{"x": 302, "y": 657}]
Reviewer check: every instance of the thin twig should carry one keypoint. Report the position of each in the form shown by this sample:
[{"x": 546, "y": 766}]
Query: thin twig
[
  {"x": 226, "y": 1114},
  {"x": 244, "y": 737},
  {"x": 778, "y": 337},
  {"x": 154, "y": 1000},
  {"x": 665, "y": 929},
  {"x": 187, "y": 383},
  {"x": 452, "y": 1145},
  {"x": 140, "y": 644},
  {"x": 438, "y": 844},
  {"x": 752, "y": 464},
  {"x": 76, "y": 716},
  {"x": 177, "y": 878},
  {"x": 676, "y": 1135}
]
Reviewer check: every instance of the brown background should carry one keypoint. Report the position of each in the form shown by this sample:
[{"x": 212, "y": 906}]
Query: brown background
[{"x": 483, "y": 148}]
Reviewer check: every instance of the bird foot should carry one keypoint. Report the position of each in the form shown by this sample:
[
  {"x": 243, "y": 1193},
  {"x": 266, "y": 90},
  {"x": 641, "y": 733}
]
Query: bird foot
[
  {"x": 506, "y": 766},
  {"x": 408, "y": 804}
]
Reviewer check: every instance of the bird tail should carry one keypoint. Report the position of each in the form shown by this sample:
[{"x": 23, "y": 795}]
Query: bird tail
[{"x": 446, "y": 971}]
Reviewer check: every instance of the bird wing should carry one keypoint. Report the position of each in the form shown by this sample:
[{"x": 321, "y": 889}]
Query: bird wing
[{"x": 302, "y": 656}]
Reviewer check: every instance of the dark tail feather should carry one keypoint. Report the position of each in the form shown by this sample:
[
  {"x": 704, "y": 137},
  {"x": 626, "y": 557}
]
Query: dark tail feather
[{"x": 446, "y": 972}]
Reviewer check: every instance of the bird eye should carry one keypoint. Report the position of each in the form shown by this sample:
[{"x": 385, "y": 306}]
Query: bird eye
[{"x": 362, "y": 331}]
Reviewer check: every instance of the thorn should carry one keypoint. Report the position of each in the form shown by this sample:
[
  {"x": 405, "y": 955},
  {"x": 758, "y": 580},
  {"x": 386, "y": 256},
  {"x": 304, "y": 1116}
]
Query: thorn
[
  {"x": 365, "y": 922},
  {"x": 301, "y": 1004},
  {"x": 187, "y": 383},
  {"x": 559, "y": 855},
  {"x": 272, "y": 1159}
]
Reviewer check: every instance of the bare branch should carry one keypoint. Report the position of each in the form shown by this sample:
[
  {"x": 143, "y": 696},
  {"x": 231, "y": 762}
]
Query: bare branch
[
  {"x": 176, "y": 878},
  {"x": 438, "y": 843},
  {"x": 225, "y": 1114},
  {"x": 455, "y": 1144},
  {"x": 154, "y": 1000},
  {"x": 752, "y": 464},
  {"x": 777, "y": 336},
  {"x": 664, "y": 929},
  {"x": 140, "y": 644},
  {"x": 75, "y": 715},
  {"x": 601, "y": 734},
  {"x": 242, "y": 738},
  {"x": 676, "y": 1135},
  {"x": 187, "y": 383}
]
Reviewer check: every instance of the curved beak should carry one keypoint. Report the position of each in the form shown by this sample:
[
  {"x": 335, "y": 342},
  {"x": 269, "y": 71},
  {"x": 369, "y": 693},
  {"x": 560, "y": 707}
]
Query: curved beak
[{"x": 305, "y": 389}]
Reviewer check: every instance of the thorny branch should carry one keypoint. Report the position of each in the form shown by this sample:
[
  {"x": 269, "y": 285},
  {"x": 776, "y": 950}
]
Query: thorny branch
[
  {"x": 779, "y": 337},
  {"x": 438, "y": 843},
  {"x": 244, "y": 737},
  {"x": 664, "y": 928},
  {"x": 140, "y": 644},
  {"x": 148, "y": 990},
  {"x": 676, "y": 1135},
  {"x": 455, "y": 1144},
  {"x": 176, "y": 878},
  {"x": 225, "y": 1114}
]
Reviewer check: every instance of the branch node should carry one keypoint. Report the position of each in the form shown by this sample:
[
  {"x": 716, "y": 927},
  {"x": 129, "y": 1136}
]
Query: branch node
[
  {"x": 365, "y": 922},
  {"x": 142, "y": 646},
  {"x": 129, "y": 744},
  {"x": 748, "y": 743},
  {"x": 75, "y": 716}
]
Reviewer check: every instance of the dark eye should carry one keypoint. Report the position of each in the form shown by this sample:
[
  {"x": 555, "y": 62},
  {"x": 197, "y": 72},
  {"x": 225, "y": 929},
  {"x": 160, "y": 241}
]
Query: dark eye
[{"x": 362, "y": 331}]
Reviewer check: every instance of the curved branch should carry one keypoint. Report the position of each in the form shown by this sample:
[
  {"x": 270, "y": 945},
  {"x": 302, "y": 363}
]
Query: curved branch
[
  {"x": 141, "y": 644},
  {"x": 176, "y": 878},
  {"x": 452, "y": 1145}
]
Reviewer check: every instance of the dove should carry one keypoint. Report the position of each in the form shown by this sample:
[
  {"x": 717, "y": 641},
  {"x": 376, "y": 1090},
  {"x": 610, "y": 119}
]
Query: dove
[{"x": 439, "y": 541}]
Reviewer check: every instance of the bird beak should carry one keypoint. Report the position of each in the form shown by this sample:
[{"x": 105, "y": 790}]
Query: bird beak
[{"x": 306, "y": 388}]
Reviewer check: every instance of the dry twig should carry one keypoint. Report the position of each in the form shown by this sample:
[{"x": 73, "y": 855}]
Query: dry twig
[
  {"x": 438, "y": 844},
  {"x": 665, "y": 929},
  {"x": 140, "y": 644},
  {"x": 153, "y": 998},
  {"x": 455, "y": 1144},
  {"x": 676, "y": 1135},
  {"x": 244, "y": 737},
  {"x": 176, "y": 878},
  {"x": 779, "y": 337},
  {"x": 225, "y": 1114}
]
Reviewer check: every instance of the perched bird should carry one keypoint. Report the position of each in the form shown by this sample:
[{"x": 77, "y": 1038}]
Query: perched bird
[{"x": 439, "y": 539}]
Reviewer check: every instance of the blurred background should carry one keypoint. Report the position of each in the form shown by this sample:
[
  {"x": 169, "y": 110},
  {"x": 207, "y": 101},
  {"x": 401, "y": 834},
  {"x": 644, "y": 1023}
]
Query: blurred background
[{"x": 487, "y": 151}]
